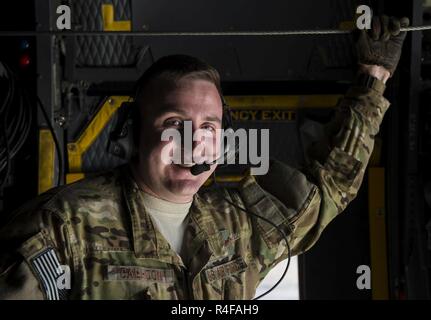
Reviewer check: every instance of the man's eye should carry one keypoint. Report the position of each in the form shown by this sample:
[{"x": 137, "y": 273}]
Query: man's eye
[
  {"x": 173, "y": 123},
  {"x": 209, "y": 128}
]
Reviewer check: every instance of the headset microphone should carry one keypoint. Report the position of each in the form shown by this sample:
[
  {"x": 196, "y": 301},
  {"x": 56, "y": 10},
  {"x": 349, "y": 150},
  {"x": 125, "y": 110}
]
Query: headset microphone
[{"x": 197, "y": 169}]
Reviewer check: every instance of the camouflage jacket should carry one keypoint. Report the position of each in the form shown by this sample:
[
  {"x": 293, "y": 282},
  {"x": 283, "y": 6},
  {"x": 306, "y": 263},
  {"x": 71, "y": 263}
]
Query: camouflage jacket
[{"x": 99, "y": 229}]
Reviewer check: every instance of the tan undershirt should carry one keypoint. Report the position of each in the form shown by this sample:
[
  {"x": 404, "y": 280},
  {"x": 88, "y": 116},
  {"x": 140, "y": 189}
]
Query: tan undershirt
[{"x": 169, "y": 218}]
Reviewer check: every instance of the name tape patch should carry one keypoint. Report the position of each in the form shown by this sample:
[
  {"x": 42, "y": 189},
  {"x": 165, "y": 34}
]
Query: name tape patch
[
  {"x": 139, "y": 273},
  {"x": 222, "y": 271}
]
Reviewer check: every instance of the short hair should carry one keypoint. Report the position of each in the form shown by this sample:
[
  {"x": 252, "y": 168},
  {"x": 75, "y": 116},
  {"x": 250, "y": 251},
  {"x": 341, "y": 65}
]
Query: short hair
[{"x": 173, "y": 68}]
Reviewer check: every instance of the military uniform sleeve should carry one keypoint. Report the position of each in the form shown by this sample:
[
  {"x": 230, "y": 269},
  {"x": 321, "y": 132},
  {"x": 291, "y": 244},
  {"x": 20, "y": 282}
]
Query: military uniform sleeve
[
  {"x": 35, "y": 256},
  {"x": 303, "y": 203}
]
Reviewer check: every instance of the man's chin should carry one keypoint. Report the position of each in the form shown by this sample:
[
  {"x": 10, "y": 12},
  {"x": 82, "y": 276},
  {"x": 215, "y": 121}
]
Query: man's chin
[
  {"x": 181, "y": 183},
  {"x": 184, "y": 187}
]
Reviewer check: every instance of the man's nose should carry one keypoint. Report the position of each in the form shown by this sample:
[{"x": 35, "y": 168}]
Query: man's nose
[
  {"x": 188, "y": 145},
  {"x": 198, "y": 141},
  {"x": 188, "y": 132}
]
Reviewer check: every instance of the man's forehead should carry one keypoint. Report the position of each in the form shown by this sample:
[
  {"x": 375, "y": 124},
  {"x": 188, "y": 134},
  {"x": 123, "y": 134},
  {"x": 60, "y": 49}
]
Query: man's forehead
[
  {"x": 204, "y": 112},
  {"x": 186, "y": 98}
]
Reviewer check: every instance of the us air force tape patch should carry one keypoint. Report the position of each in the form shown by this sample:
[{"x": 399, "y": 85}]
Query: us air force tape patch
[{"x": 49, "y": 271}]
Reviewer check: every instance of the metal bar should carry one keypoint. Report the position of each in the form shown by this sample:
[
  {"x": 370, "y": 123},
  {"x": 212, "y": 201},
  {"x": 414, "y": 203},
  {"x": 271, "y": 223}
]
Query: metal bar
[{"x": 189, "y": 34}]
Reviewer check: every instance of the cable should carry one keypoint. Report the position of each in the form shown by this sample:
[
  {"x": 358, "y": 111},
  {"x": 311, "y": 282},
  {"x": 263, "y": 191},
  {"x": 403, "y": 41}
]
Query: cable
[
  {"x": 6, "y": 140},
  {"x": 16, "y": 121},
  {"x": 275, "y": 226},
  {"x": 192, "y": 34},
  {"x": 16, "y": 124}
]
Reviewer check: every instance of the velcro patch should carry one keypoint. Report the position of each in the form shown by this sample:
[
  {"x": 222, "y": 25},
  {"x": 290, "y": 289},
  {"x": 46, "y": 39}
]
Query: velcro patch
[
  {"x": 49, "y": 271},
  {"x": 139, "y": 273},
  {"x": 224, "y": 270}
]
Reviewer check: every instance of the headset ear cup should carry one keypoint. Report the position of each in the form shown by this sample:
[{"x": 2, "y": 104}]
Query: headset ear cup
[
  {"x": 136, "y": 124},
  {"x": 121, "y": 138},
  {"x": 227, "y": 124}
]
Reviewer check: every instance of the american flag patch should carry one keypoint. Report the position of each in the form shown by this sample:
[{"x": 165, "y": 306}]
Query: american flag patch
[{"x": 49, "y": 270}]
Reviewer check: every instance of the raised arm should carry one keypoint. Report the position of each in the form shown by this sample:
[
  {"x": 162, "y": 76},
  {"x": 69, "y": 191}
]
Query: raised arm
[{"x": 303, "y": 203}]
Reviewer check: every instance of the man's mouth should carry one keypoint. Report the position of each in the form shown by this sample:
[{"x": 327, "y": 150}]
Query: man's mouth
[{"x": 184, "y": 165}]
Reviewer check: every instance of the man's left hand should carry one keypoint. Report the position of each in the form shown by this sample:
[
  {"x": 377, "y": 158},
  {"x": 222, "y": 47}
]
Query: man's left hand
[{"x": 379, "y": 49}]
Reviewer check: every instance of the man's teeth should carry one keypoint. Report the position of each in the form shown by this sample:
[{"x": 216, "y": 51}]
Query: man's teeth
[{"x": 186, "y": 165}]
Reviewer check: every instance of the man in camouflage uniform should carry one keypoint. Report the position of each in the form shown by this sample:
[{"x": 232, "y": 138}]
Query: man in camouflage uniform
[{"x": 99, "y": 229}]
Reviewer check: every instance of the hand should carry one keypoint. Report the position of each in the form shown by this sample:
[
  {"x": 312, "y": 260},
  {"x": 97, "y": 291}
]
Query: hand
[{"x": 381, "y": 45}]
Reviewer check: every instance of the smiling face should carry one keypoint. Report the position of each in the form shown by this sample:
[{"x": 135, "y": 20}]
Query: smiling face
[{"x": 168, "y": 106}]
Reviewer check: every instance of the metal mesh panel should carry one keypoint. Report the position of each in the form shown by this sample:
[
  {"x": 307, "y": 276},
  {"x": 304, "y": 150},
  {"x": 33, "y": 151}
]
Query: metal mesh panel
[{"x": 101, "y": 51}]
